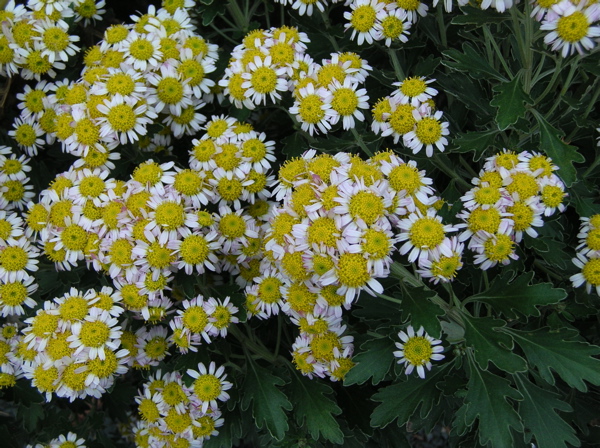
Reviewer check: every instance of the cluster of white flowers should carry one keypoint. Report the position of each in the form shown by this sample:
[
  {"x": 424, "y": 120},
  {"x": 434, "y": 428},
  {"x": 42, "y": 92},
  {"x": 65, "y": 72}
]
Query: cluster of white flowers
[
  {"x": 151, "y": 71},
  {"x": 71, "y": 440},
  {"x": 328, "y": 93},
  {"x": 174, "y": 414},
  {"x": 511, "y": 194},
  {"x": 15, "y": 188},
  {"x": 332, "y": 236},
  {"x": 71, "y": 347},
  {"x": 588, "y": 255},
  {"x": 264, "y": 65},
  {"x": 18, "y": 256},
  {"x": 9, "y": 365},
  {"x": 377, "y": 20},
  {"x": 35, "y": 39},
  {"x": 410, "y": 114},
  {"x": 269, "y": 63}
]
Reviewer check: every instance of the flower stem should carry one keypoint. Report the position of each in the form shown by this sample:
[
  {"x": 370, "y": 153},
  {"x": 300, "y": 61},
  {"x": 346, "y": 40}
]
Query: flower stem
[
  {"x": 396, "y": 64},
  {"x": 361, "y": 142}
]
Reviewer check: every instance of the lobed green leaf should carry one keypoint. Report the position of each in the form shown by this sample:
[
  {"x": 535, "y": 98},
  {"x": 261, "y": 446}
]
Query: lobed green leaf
[
  {"x": 313, "y": 407},
  {"x": 268, "y": 402}
]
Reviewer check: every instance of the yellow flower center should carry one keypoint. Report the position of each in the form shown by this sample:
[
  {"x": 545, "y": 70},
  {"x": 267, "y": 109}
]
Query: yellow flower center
[
  {"x": 363, "y": 18},
  {"x": 426, "y": 233},
  {"x": 352, "y": 270},
  {"x": 207, "y": 387},
  {"x": 264, "y": 80},
  {"x": 573, "y": 28},
  {"x": 344, "y": 101},
  {"x": 499, "y": 248},
  {"x": 366, "y": 206}
]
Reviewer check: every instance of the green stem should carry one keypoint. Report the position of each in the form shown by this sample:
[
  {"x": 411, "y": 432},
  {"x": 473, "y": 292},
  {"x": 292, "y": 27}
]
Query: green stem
[
  {"x": 279, "y": 328},
  {"x": 486, "y": 281},
  {"x": 360, "y": 142},
  {"x": 442, "y": 26},
  {"x": 238, "y": 16},
  {"x": 400, "y": 272},
  {"x": 592, "y": 103},
  {"x": 566, "y": 86},
  {"x": 390, "y": 299},
  {"x": 592, "y": 167},
  {"x": 222, "y": 34},
  {"x": 490, "y": 37},
  {"x": 440, "y": 163},
  {"x": 396, "y": 64},
  {"x": 325, "y": 17},
  {"x": 468, "y": 167},
  {"x": 552, "y": 82}
]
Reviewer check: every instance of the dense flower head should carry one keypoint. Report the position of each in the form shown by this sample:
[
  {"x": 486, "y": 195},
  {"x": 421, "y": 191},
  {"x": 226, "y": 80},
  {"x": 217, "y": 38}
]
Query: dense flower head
[
  {"x": 77, "y": 343},
  {"x": 509, "y": 200},
  {"x": 170, "y": 411}
]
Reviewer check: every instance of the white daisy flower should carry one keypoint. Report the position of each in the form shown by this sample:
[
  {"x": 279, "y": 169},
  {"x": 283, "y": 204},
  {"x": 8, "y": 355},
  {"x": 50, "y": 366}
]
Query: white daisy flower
[
  {"x": 590, "y": 273},
  {"x": 124, "y": 119},
  {"x": 418, "y": 350},
  {"x": 209, "y": 385},
  {"x": 346, "y": 101},
  {"x": 571, "y": 27},
  {"x": 429, "y": 132},
  {"x": 363, "y": 21}
]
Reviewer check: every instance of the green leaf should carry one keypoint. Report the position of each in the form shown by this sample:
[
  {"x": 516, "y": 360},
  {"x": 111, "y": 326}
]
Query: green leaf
[
  {"x": 209, "y": 10},
  {"x": 468, "y": 92},
  {"x": 472, "y": 62},
  {"x": 537, "y": 412},
  {"x": 401, "y": 400},
  {"x": 373, "y": 361},
  {"x": 269, "y": 403},
  {"x": 30, "y": 416},
  {"x": 518, "y": 296},
  {"x": 475, "y": 142},
  {"x": 562, "y": 155},
  {"x": 510, "y": 100},
  {"x": 491, "y": 345},
  {"x": 486, "y": 401},
  {"x": 311, "y": 405},
  {"x": 421, "y": 311},
  {"x": 477, "y": 16},
  {"x": 571, "y": 360},
  {"x": 294, "y": 145}
]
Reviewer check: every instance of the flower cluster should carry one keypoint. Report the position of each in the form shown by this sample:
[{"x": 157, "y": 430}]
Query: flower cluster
[
  {"x": 174, "y": 414},
  {"x": 15, "y": 190},
  {"x": 511, "y": 194},
  {"x": 588, "y": 255},
  {"x": 71, "y": 440},
  {"x": 268, "y": 63},
  {"x": 10, "y": 367},
  {"x": 376, "y": 20},
  {"x": 18, "y": 257},
  {"x": 328, "y": 93},
  {"x": 200, "y": 320},
  {"x": 35, "y": 39},
  {"x": 71, "y": 347},
  {"x": 409, "y": 114},
  {"x": 265, "y": 64},
  {"x": 333, "y": 236},
  {"x": 151, "y": 71}
]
